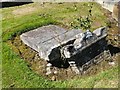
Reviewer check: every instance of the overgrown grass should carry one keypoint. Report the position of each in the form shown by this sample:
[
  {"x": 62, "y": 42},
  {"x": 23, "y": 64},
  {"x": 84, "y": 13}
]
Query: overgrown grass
[{"x": 15, "y": 71}]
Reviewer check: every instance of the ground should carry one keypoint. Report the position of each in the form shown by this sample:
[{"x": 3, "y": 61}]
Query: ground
[{"x": 22, "y": 67}]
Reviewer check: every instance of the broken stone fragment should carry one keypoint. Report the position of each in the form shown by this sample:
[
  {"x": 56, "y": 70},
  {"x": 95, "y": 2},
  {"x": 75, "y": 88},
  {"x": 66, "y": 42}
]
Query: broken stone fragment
[
  {"x": 65, "y": 52},
  {"x": 74, "y": 67},
  {"x": 78, "y": 42},
  {"x": 48, "y": 73},
  {"x": 49, "y": 65},
  {"x": 53, "y": 78},
  {"x": 55, "y": 72},
  {"x": 72, "y": 63},
  {"x": 112, "y": 63},
  {"x": 48, "y": 69},
  {"x": 99, "y": 31}
]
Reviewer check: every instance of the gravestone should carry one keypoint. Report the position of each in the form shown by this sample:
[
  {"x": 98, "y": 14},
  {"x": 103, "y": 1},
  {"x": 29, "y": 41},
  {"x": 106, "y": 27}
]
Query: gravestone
[
  {"x": 56, "y": 45},
  {"x": 46, "y": 38}
]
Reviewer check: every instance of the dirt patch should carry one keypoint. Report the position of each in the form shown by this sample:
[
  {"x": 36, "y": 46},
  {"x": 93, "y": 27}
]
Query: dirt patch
[
  {"x": 24, "y": 11},
  {"x": 38, "y": 65}
]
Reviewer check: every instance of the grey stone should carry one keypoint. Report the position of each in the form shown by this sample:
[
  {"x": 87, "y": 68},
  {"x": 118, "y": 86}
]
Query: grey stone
[
  {"x": 100, "y": 31},
  {"x": 78, "y": 42},
  {"x": 49, "y": 65},
  {"x": 48, "y": 71},
  {"x": 112, "y": 63},
  {"x": 107, "y": 4},
  {"x": 48, "y": 68},
  {"x": 46, "y": 38}
]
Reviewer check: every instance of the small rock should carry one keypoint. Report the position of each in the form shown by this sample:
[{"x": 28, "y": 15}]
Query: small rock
[
  {"x": 75, "y": 69},
  {"x": 55, "y": 72},
  {"x": 53, "y": 78},
  {"x": 112, "y": 63},
  {"x": 48, "y": 69},
  {"x": 49, "y": 64},
  {"x": 81, "y": 69},
  {"x": 48, "y": 73}
]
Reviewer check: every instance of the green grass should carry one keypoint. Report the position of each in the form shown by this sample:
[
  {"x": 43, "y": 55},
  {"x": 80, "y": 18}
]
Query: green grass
[
  {"x": 102, "y": 80},
  {"x": 23, "y": 25},
  {"x": 16, "y": 73}
]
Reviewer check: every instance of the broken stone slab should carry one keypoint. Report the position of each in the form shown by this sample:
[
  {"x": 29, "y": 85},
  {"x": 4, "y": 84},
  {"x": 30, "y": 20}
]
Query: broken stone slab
[
  {"x": 100, "y": 31},
  {"x": 46, "y": 38},
  {"x": 57, "y": 46}
]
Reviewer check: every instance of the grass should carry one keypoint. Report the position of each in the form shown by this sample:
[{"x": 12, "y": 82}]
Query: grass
[
  {"x": 16, "y": 73},
  {"x": 23, "y": 25},
  {"x": 101, "y": 80}
]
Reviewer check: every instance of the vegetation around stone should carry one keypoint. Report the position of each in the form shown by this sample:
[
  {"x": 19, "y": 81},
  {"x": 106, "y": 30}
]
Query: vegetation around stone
[{"x": 17, "y": 71}]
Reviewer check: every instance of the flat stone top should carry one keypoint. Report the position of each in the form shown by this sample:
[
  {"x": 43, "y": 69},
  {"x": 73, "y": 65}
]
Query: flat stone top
[
  {"x": 44, "y": 33},
  {"x": 45, "y": 38}
]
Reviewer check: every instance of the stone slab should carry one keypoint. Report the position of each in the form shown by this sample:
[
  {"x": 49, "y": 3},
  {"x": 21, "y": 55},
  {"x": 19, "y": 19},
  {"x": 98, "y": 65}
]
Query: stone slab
[{"x": 45, "y": 38}]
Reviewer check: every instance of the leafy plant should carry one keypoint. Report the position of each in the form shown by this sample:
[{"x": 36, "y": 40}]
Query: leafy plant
[{"x": 84, "y": 23}]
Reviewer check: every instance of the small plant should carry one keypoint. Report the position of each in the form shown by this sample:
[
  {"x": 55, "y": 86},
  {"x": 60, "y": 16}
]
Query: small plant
[
  {"x": 84, "y": 23},
  {"x": 108, "y": 24}
]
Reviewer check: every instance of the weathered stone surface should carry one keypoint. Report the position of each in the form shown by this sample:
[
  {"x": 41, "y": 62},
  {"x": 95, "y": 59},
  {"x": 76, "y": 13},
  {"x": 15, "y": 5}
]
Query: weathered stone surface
[
  {"x": 100, "y": 31},
  {"x": 116, "y": 11},
  {"x": 45, "y": 38},
  {"x": 107, "y": 4}
]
